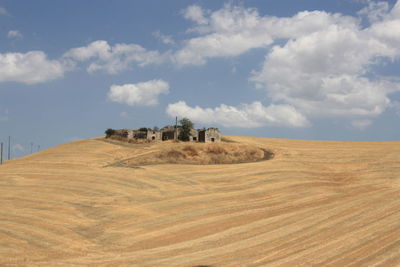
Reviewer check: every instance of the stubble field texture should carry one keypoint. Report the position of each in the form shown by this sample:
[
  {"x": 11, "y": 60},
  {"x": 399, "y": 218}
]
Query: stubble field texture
[{"x": 87, "y": 203}]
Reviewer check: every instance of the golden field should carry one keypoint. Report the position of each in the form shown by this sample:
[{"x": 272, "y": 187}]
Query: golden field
[{"x": 320, "y": 203}]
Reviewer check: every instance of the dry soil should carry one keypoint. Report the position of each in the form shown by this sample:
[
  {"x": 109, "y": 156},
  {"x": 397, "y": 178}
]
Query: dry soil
[{"x": 315, "y": 203}]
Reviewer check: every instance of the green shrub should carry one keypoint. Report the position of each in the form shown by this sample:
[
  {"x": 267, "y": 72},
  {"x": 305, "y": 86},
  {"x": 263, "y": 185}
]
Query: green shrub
[{"x": 109, "y": 132}]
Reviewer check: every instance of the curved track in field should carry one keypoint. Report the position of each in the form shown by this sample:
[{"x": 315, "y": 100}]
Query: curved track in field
[{"x": 314, "y": 203}]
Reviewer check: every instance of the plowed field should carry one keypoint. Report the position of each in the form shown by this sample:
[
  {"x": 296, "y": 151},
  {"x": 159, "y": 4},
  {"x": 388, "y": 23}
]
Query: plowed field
[{"x": 314, "y": 203}]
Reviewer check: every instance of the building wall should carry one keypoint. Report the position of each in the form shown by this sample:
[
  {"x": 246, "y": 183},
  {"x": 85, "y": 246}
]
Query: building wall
[
  {"x": 194, "y": 136},
  {"x": 131, "y": 134},
  {"x": 153, "y": 135},
  {"x": 210, "y": 135},
  {"x": 170, "y": 133}
]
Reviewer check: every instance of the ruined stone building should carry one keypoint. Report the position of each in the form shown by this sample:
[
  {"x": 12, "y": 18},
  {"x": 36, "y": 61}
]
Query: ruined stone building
[
  {"x": 169, "y": 133},
  {"x": 210, "y": 135},
  {"x": 172, "y": 133},
  {"x": 143, "y": 134},
  {"x": 194, "y": 135}
]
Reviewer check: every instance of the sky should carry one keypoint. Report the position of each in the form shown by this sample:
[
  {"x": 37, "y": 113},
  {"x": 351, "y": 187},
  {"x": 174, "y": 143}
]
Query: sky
[{"x": 306, "y": 69}]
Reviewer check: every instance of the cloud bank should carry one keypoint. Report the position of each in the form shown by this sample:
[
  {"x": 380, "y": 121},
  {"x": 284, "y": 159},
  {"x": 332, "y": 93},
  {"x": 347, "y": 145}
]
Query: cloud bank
[
  {"x": 321, "y": 64},
  {"x": 243, "y": 116}
]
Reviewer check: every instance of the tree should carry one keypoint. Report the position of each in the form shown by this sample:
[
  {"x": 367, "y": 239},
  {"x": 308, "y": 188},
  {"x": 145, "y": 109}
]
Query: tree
[
  {"x": 186, "y": 127},
  {"x": 109, "y": 132}
]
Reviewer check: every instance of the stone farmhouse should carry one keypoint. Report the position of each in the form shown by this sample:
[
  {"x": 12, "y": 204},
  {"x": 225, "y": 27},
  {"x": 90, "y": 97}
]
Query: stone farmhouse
[{"x": 172, "y": 133}]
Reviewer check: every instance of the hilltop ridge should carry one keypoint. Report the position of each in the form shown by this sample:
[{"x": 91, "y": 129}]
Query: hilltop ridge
[{"x": 315, "y": 202}]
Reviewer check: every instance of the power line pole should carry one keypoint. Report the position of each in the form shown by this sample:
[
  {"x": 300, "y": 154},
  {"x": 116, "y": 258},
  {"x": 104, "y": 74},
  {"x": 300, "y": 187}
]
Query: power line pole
[
  {"x": 38, "y": 148},
  {"x": 31, "y": 147},
  {"x": 9, "y": 147},
  {"x": 176, "y": 129},
  {"x": 1, "y": 153}
]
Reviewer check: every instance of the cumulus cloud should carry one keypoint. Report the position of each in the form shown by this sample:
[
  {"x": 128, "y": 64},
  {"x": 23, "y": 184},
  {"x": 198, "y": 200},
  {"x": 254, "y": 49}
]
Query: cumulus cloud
[
  {"x": 196, "y": 14},
  {"x": 113, "y": 59},
  {"x": 387, "y": 30},
  {"x": 244, "y": 115},
  {"x": 234, "y": 30},
  {"x": 318, "y": 62},
  {"x": 14, "y": 34},
  {"x": 139, "y": 94},
  {"x": 324, "y": 73},
  {"x": 328, "y": 72},
  {"x": 31, "y": 67},
  {"x": 375, "y": 11}
]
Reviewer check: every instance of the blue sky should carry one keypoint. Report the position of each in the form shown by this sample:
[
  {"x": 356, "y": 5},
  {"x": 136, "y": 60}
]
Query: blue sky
[{"x": 326, "y": 70}]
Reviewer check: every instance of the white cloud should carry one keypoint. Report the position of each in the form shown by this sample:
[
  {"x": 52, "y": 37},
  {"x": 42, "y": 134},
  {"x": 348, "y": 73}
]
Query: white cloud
[
  {"x": 323, "y": 63},
  {"x": 31, "y": 67},
  {"x": 113, "y": 59},
  {"x": 361, "y": 124},
  {"x": 124, "y": 114},
  {"x": 375, "y": 11},
  {"x": 14, "y": 34},
  {"x": 244, "y": 116},
  {"x": 166, "y": 39},
  {"x": 140, "y": 94},
  {"x": 328, "y": 72},
  {"x": 229, "y": 32},
  {"x": 234, "y": 30},
  {"x": 195, "y": 13},
  {"x": 387, "y": 30},
  {"x": 323, "y": 74}
]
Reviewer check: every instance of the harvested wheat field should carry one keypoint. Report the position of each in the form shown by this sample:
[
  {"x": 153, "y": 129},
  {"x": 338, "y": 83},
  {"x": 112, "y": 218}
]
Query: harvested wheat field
[{"x": 313, "y": 203}]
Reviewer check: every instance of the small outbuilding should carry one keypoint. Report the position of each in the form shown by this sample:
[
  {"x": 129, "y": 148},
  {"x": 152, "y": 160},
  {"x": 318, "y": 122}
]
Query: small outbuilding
[
  {"x": 169, "y": 133},
  {"x": 210, "y": 135},
  {"x": 153, "y": 135}
]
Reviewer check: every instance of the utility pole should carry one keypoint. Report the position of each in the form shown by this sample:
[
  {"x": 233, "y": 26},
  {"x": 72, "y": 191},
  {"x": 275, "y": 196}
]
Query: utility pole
[
  {"x": 9, "y": 147},
  {"x": 31, "y": 147},
  {"x": 38, "y": 148},
  {"x": 176, "y": 128},
  {"x": 1, "y": 153}
]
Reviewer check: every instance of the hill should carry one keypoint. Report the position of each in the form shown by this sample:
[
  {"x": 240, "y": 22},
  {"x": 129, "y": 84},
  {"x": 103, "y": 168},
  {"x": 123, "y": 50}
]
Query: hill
[{"x": 314, "y": 202}]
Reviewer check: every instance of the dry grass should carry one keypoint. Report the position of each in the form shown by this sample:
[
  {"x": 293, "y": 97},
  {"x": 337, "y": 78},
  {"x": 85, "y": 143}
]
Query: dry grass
[
  {"x": 130, "y": 141},
  {"x": 199, "y": 153},
  {"x": 315, "y": 203}
]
